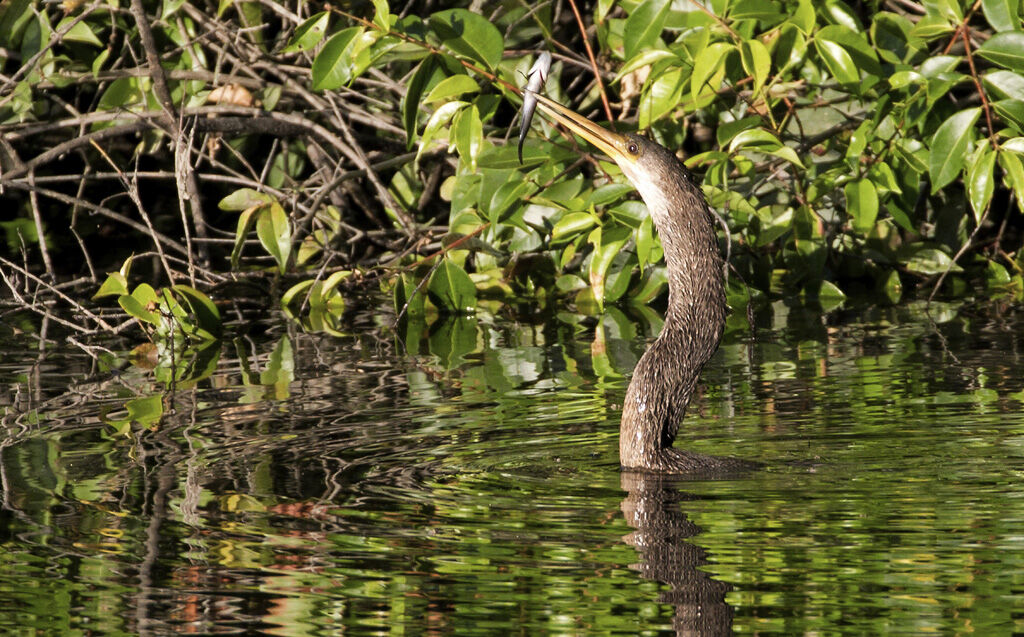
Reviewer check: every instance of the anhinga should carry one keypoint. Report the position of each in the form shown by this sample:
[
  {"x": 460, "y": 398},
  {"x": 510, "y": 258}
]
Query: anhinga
[{"x": 666, "y": 375}]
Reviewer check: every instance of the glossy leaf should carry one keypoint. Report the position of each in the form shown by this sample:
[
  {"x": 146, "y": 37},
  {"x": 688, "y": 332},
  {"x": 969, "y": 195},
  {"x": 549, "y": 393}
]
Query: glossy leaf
[
  {"x": 1003, "y": 15},
  {"x": 949, "y": 147},
  {"x": 1014, "y": 168},
  {"x": 644, "y": 25},
  {"x": 308, "y": 34},
  {"x": 243, "y": 199},
  {"x": 451, "y": 87},
  {"x": 839, "y": 62},
  {"x": 862, "y": 204},
  {"x": 333, "y": 66},
  {"x": 573, "y": 224},
  {"x": 275, "y": 233},
  {"x": 451, "y": 288},
  {"x": 756, "y": 61},
  {"x": 929, "y": 261},
  {"x": 981, "y": 181},
  {"x": 1005, "y": 49},
  {"x": 468, "y": 34},
  {"x": 707, "y": 64}
]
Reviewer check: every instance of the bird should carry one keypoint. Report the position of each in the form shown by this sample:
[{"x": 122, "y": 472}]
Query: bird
[{"x": 666, "y": 376}]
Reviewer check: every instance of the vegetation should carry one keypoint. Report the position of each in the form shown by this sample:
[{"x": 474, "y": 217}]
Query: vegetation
[{"x": 294, "y": 152}]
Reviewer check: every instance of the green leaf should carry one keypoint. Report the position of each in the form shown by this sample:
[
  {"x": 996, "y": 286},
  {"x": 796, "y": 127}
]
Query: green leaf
[
  {"x": 333, "y": 66},
  {"x": 1011, "y": 112},
  {"x": 145, "y": 411},
  {"x": 610, "y": 245},
  {"x": 756, "y": 61},
  {"x": 929, "y": 261},
  {"x": 407, "y": 297},
  {"x": 755, "y": 10},
  {"x": 892, "y": 287},
  {"x": 243, "y": 199},
  {"x": 294, "y": 291},
  {"x": 1005, "y": 49},
  {"x": 80, "y": 33},
  {"x": 504, "y": 197},
  {"x": 1006, "y": 84},
  {"x": 244, "y": 226},
  {"x": 862, "y": 204},
  {"x": 451, "y": 87},
  {"x": 206, "y": 313},
  {"x": 437, "y": 120},
  {"x": 662, "y": 96},
  {"x": 803, "y": 17},
  {"x": 572, "y": 225},
  {"x": 136, "y": 308},
  {"x": 644, "y": 25},
  {"x": 949, "y": 147},
  {"x": 414, "y": 94},
  {"x": 1003, "y": 15},
  {"x": 646, "y": 244},
  {"x": 1014, "y": 169},
  {"x": 114, "y": 284},
  {"x": 707, "y": 64},
  {"x": 839, "y": 62},
  {"x": 275, "y": 233},
  {"x": 469, "y": 34},
  {"x": 981, "y": 181},
  {"x": 451, "y": 288},
  {"x": 382, "y": 15},
  {"x": 830, "y": 296},
  {"x": 308, "y": 34},
  {"x": 469, "y": 135}
]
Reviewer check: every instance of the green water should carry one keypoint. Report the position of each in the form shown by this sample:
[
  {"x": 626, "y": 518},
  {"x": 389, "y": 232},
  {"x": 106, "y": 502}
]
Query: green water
[{"x": 463, "y": 479}]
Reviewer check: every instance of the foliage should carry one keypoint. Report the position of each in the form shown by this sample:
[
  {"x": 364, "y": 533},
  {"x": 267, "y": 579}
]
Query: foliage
[{"x": 865, "y": 149}]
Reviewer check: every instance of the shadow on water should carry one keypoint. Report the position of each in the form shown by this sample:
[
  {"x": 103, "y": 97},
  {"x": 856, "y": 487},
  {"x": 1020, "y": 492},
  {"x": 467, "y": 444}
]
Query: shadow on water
[{"x": 319, "y": 485}]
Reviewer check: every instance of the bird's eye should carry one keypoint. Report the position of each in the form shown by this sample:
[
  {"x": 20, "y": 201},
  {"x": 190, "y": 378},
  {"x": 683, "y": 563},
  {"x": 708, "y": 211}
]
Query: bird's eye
[{"x": 633, "y": 148}]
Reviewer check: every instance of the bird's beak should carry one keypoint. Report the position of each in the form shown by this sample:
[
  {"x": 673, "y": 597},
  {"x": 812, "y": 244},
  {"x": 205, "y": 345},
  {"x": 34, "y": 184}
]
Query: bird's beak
[{"x": 613, "y": 144}]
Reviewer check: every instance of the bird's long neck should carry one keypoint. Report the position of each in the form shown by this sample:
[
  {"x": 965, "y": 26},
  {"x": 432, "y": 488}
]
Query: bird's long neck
[{"x": 667, "y": 374}]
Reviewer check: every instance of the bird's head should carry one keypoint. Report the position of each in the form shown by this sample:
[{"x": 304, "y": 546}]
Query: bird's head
[{"x": 652, "y": 168}]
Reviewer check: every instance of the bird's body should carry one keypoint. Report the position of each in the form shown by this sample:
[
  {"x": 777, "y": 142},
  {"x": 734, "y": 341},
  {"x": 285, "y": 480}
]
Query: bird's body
[{"x": 666, "y": 376}]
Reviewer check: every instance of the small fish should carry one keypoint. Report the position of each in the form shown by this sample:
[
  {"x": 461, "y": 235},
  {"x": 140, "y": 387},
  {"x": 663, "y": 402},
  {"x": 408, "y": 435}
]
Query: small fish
[{"x": 537, "y": 76}]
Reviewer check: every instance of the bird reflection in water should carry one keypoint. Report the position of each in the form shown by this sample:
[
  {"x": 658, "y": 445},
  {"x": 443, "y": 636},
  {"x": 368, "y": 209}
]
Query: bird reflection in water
[{"x": 654, "y": 508}]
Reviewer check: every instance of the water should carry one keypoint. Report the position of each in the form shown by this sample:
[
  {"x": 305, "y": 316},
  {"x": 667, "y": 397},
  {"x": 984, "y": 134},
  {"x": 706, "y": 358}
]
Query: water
[{"x": 463, "y": 479}]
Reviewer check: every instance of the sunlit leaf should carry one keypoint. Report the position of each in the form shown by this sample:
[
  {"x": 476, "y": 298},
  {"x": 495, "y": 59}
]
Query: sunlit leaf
[
  {"x": 1003, "y": 15},
  {"x": 573, "y": 224},
  {"x": 275, "y": 233},
  {"x": 756, "y": 61},
  {"x": 1005, "y": 49},
  {"x": 333, "y": 66},
  {"x": 243, "y": 199},
  {"x": 1006, "y": 84},
  {"x": 468, "y": 34},
  {"x": 949, "y": 147},
  {"x": 644, "y": 25},
  {"x": 862, "y": 204},
  {"x": 707, "y": 65},
  {"x": 981, "y": 181},
  {"x": 839, "y": 62},
  {"x": 413, "y": 97},
  {"x": 1011, "y": 163},
  {"x": 115, "y": 283},
  {"x": 308, "y": 34},
  {"x": 451, "y": 87}
]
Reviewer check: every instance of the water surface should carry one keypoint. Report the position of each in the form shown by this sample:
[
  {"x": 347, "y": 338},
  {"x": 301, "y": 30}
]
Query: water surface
[{"x": 462, "y": 478}]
